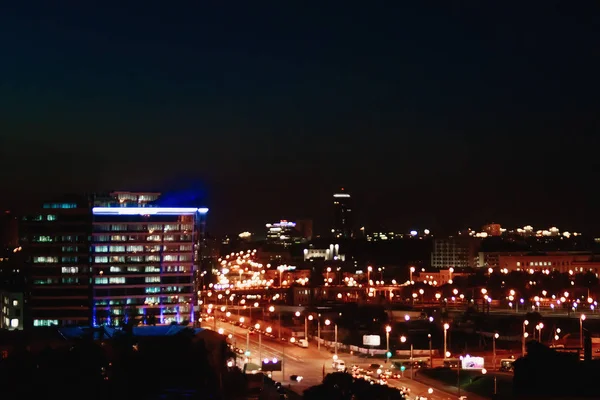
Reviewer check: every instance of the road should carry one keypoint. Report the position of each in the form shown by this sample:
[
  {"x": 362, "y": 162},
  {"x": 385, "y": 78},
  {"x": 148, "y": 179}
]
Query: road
[{"x": 309, "y": 362}]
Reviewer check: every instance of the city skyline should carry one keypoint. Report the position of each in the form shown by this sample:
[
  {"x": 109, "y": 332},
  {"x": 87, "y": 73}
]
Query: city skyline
[{"x": 326, "y": 219}]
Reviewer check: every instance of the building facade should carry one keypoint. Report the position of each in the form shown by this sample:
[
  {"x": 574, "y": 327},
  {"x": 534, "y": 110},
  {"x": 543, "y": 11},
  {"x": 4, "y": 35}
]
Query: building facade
[
  {"x": 56, "y": 243},
  {"x": 455, "y": 252},
  {"x": 342, "y": 215},
  {"x": 283, "y": 233},
  {"x": 9, "y": 236},
  {"x": 11, "y": 310},
  {"x": 564, "y": 262},
  {"x": 101, "y": 260},
  {"x": 144, "y": 264}
]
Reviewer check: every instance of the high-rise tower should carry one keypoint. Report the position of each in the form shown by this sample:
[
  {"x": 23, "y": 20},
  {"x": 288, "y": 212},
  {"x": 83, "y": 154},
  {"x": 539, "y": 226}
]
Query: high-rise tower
[{"x": 342, "y": 215}]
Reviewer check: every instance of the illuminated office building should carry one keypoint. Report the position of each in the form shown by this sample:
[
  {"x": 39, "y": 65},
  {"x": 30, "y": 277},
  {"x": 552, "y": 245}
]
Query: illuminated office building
[
  {"x": 283, "y": 233},
  {"x": 342, "y": 215},
  {"x": 56, "y": 240},
  {"x": 102, "y": 260},
  {"x": 144, "y": 262}
]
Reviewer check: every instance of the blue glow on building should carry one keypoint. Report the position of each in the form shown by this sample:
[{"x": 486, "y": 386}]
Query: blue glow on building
[{"x": 115, "y": 211}]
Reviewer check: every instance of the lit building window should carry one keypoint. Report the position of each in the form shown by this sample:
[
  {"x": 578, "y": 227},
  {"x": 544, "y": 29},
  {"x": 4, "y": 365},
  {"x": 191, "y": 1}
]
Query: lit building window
[
  {"x": 49, "y": 260},
  {"x": 45, "y": 322}
]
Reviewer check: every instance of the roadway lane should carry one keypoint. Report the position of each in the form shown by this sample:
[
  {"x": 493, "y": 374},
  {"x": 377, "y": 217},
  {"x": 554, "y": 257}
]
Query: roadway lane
[
  {"x": 416, "y": 388},
  {"x": 307, "y": 362}
]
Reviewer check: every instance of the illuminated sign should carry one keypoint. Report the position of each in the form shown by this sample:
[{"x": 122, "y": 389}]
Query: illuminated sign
[
  {"x": 469, "y": 362},
  {"x": 371, "y": 340}
]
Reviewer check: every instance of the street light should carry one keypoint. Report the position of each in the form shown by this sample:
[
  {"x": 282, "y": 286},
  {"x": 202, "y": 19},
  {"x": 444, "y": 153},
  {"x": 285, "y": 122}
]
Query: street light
[
  {"x": 525, "y": 323},
  {"x": 496, "y": 336},
  {"x": 328, "y": 322},
  {"x": 539, "y": 327},
  {"x": 446, "y": 327},
  {"x": 257, "y": 327},
  {"x": 412, "y": 269},
  {"x": 581, "y": 319},
  {"x": 430, "y": 351},
  {"x": 388, "y": 329}
]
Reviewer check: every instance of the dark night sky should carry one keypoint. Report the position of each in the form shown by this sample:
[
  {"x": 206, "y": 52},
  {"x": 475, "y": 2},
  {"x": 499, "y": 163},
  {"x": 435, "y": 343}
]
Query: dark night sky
[{"x": 433, "y": 114}]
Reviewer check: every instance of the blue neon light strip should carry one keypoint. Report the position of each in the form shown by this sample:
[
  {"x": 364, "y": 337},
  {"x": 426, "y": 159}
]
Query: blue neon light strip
[{"x": 148, "y": 210}]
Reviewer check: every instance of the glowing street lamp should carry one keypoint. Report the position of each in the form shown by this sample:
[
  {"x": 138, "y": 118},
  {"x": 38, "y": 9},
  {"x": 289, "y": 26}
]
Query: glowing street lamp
[
  {"x": 539, "y": 327},
  {"x": 581, "y": 319},
  {"x": 335, "y": 327},
  {"x": 525, "y": 323},
  {"x": 496, "y": 336},
  {"x": 388, "y": 329},
  {"x": 446, "y": 327}
]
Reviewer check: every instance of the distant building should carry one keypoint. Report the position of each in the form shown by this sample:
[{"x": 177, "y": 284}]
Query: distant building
[
  {"x": 283, "y": 233},
  {"x": 491, "y": 259},
  {"x": 9, "y": 231},
  {"x": 11, "y": 310},
  {"x": 305, "y": 227},
  {"x": 577, "y": 262},
  {"x": 438, "y": 277},
  {"x": 456, "y": 252},
  {"x": 273, "y": 256},
  {"x": 12, "y": 271},
  {"x": 492, "y": 229},
  {"x": 330, "y": 254},
  {"x": 342, "y": 215}
]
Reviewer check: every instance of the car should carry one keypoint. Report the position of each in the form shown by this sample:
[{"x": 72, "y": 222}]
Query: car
[{"x": 338, "y": 365}]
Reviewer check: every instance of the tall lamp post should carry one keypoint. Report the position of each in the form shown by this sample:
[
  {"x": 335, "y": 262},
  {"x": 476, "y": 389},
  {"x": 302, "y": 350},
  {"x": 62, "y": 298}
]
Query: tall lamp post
[
  {"x": 496, "y": 336},
  {"x": 430, "y": 351},
  {"x": 446, "y": 327},
  {"x": 412, "y": 269},
  {"x": 328, "y": 322},
  {"x": 581, "y": 319},
  {"x": 257, "y": 327},
  {"x": 525, "y": 323},
  {"x": 388, "y": 329},
  {"x": 310, "y": 318}
]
